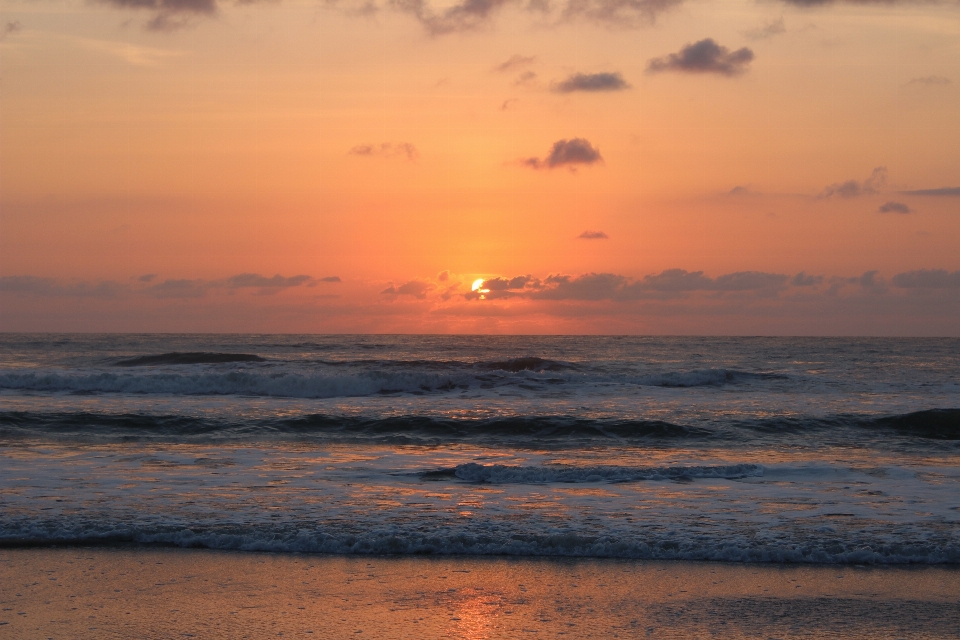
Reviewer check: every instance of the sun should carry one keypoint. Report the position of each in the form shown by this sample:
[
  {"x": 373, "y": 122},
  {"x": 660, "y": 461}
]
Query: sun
[{"x": 477, "y": 284}]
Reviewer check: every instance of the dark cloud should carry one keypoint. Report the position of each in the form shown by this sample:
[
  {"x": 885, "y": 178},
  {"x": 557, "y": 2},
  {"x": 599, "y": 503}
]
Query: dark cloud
[
  {"x": 592, "y": 82},
  {"x": 593, "y": 235},
  {"x": 179, "y": 289},
  {"x": 514, "y": 62},
  {"x": 767, "y": 30},
  {"x": 803, "y": 280},
  {"x": 944, "y": 191},
  {"x": 894, "y": 207},
  {"x": 331, "y": 279},
  {"x": 386, "y": 150},
  {"x": 855, "y": 188},
  {"x": 749, "y": 281},
  {"x": 705, "y": 56},
  {"x": 464, "y": 16},
  {"x": 611, "y": 286},
  {"x": 443, "y": 276},
  {"x": 927, "y": 279},
  {"x": 930, "y": 81},
  {"x": 872, "y": 282},
  {"x": 169, "y": 14},
  {"x": 416, "y": 288},
  {"x": 147, "y": 277},
  {"x": 10, "y": 28},
  {"x": 567, "y": 153},
  {"x": 51, "y": 287}
]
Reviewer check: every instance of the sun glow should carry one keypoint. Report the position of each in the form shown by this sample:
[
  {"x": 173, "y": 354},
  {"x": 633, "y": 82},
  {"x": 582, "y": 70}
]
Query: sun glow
[{"x": 477, "y": 284}]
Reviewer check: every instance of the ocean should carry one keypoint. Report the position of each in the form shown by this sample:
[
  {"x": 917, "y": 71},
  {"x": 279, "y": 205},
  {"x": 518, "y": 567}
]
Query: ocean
[{"x": 806, "y": 450}]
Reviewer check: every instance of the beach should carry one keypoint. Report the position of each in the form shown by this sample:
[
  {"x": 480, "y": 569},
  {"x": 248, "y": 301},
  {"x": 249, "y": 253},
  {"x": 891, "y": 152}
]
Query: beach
[
  {"x": 163, "y": 593},
  {"x": 450, "y": 486}
]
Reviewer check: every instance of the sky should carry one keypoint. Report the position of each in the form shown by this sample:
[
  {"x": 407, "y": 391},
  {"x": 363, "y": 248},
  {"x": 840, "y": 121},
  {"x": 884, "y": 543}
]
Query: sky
[{"x": 710, "y": 167}]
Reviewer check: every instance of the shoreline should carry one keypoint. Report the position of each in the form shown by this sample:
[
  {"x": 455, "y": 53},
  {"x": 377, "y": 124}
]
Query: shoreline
[{"x": 134, "y": 591}]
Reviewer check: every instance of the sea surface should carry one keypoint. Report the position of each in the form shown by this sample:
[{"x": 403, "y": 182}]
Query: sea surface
[{"x": 809, "y": 450}]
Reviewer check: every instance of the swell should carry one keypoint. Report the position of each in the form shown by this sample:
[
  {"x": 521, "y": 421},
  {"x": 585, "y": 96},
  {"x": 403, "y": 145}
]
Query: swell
[
  {"x": 507, "y": 474},
  {"x": 190, "y": 357},
  {"x": 343, "y": 378},
  {"x": 931, "y": 424}
]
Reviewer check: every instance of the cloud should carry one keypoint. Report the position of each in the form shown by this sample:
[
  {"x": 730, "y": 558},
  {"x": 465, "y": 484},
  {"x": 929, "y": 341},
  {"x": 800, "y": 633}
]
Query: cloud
[
  {"x": 464, "y": 16},
  {"x": 767, "y": 30},
  {"x": 181, "y": 288},
  {"x": 593, "y": 235},
  {"x": 51, "y": 287},
  {"x": 854, "y": 188},
  {"x": 416, "y": 288},
  {"x": 592, "y": 82},
  {"x": 943, "y": 191},
  {"x": 927, "y": 279},
  {"x": 169, "y": 14},
  {"x": 443, "y": 276},
  {"x": 9, "y": 29},
  {"x": 272, "y": 285},
  {"x": 618, "y": 13},
  {"x": 930, "y": 81},
  {"x": 147, "y": 277},
  {"x": 514, "y": 62},
  {"x": 894, "y": 207},
  {"x": 705, "y": 56},
  {"x": 386, "y": 150},
  {"x": 331, "y": 279},
  {"x": 872, "y": 282},
  {"x": 803, "y": 280},
  {"x": 569, "y": 153},
  {"x": 823, "y": 3}
]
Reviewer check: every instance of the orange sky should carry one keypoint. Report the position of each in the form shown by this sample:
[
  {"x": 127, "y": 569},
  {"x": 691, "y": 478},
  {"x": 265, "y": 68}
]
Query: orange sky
[{"x": 149, "y": 156}]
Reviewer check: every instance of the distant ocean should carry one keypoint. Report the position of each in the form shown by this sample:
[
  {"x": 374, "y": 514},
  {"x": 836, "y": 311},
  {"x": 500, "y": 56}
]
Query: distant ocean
[{"x": 809, "y": 450}]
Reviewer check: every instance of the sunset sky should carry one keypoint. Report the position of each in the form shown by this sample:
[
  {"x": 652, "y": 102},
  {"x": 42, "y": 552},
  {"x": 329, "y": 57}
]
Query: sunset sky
[{"x": 604, "y": 166}]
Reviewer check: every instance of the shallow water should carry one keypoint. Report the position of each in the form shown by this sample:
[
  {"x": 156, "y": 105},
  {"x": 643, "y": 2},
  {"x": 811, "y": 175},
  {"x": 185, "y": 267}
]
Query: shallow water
[{"x": 734, "y": 449}]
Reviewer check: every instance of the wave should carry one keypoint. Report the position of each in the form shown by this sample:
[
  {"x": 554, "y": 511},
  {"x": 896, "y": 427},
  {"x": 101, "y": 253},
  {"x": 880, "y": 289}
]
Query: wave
[
  {"x": 396, "y": 429},
  {"x": 670, "y": 544},
  {"x": 339, "y": 379},
  {"x": 546, "y": 431},
  {"x": 192, "y": 357},
  {"x": 245, "y": 383},
  {"x": 504, "y": 474}
]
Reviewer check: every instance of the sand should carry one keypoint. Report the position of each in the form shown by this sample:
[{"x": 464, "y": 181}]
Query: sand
[{"x": 166, "y": 593}]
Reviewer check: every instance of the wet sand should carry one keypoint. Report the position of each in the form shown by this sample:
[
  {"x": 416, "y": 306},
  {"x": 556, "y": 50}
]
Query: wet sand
[{"x": 163, "y": 593}]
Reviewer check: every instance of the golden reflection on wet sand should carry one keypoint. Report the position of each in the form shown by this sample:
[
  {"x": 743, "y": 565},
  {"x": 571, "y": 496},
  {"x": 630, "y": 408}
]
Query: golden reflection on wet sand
[{"x": 102, "y": 593}]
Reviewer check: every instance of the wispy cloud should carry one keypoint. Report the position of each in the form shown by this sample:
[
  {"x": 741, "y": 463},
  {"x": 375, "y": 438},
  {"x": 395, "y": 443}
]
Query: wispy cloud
[
  {"x": 593, "y": 235},
  {"x": 705, "y": 56},
  {"x": 930, "y": 81},
  {"x": 415, "y": 288},
  {"x": 514, "y": 62},
  {"x": 767, "y": 30},
  {"x": 403, "y": 150},
  {"x": 856, "y": 188},
  {"x": 9, "y": 29}
]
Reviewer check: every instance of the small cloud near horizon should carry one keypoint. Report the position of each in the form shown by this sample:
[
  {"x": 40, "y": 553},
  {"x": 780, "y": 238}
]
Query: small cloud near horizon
[
  {"x": 855, "y": 188},
  {"x": 705, "y": 56},
  {"x": 331, "y": 279},
  {"x": 593, "y": 235},
  {"x": 943, "y": 191},
  {"x": 894, "y": 207},
  {"x": 930, "y": 81}
]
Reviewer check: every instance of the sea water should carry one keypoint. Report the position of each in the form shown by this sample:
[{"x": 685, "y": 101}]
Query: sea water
[{"x": 729, "y": 449}]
